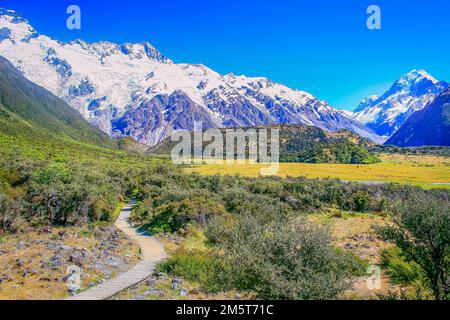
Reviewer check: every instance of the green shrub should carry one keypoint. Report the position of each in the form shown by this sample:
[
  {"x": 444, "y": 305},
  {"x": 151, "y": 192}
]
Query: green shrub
[
  {"x": 52, "y": 174},
  {"x": 176, "y": 215},
  {"x": 203, "y": 267},
  {"x": 279, "y": 260},
  {"x": 420, "y": 229},
  {"x": 400, "y": 270},
  {"x": 357, "y": 265}
]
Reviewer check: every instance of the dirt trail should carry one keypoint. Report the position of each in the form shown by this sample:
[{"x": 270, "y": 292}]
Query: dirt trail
[{"x": 152, "y": 252}]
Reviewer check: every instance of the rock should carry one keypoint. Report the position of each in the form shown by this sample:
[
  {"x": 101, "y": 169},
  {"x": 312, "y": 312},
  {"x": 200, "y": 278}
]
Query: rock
[
  {"x": 47, "y": 230},
  {"x": 15, "y": 286},
  {"x": 150, "y": 282},
  {"x": 66, "y": 248},
  {"x": 154, "y": 293},
  {"x": 19, "y": 262},
  {"x": 54, "y": 246},
  {"x": 20, "y": 245},
  {"x": 177, "y": 280},
  {"x": 55, "y": 262},
  {"x": 195, "y": 291},
  {"x": 73, "y": 288},
  {"x": 238, "y": 296},
  {"x": 62, "y": 234},
  {"x": 45, "y": 279},
  {"x": 76, "y": 258},
  {"x": 349, "y": 246},
  {"x": 112, "y": 261},
  {"x": 6, "y": 278},
  {"x": 183, "y": 293},
  {"x": 174, "y": 286}
]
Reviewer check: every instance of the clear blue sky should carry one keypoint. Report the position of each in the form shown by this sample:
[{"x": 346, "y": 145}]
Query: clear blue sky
[{"x": 323, "y": 47}]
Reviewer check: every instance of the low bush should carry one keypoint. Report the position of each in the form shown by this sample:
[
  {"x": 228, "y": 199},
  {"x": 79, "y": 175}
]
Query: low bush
[
  {"x": 420, "y": 229},
  {"x": 173, "y": 216},
  {"x": 279, "y": 260},
  {"x": 400, "y": 270},
  {"x": 203, "y": 267}
]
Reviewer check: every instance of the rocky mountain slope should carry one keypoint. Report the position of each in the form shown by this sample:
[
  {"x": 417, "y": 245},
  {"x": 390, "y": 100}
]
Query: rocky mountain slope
[
  {"x": 134, "y": 90},
  {"x": 429, "y": 126},
  {"x": 387, "y": 113}
]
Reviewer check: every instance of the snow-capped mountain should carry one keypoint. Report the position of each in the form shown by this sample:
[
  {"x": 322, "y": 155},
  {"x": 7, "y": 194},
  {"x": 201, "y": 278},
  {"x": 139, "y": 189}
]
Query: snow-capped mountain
[
  {"x": 134, "y": 90},
  {"x": 429, "y": 126},
  {"x": 387, "y": 113}
]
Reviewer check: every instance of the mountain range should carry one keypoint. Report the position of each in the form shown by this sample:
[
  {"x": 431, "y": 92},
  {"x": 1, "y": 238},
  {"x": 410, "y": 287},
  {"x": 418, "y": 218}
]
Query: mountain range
[{"x": 134, "y": 90}]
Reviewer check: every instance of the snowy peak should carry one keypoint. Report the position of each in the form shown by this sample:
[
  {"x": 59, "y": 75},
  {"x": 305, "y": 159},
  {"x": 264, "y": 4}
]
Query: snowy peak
[
  {"x": 415, "y": 82},
  {"x": 133, "y": 51},
  {"x": 412, "y": 92},
  {"x": 141, "y": 50},
  {"x": 366, "y": 102},
  {"x": 416, "y": 75},
  {"x": 14, "y": 16},
  {"x": 14, "y": 27}
]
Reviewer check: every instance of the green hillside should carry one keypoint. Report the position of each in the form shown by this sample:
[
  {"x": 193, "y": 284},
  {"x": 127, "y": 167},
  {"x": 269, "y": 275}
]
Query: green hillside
[
  {"x": 56, "y": 168},
  {"x": 301, "y": 143}
]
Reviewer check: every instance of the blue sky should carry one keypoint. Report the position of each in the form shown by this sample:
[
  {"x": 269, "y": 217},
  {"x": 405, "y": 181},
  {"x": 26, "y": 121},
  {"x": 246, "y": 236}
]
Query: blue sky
[{"x": 323, "y": 47}]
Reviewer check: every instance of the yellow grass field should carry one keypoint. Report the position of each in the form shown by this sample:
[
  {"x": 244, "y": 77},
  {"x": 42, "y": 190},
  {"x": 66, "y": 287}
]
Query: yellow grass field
[{"x": 425, "y": 170}]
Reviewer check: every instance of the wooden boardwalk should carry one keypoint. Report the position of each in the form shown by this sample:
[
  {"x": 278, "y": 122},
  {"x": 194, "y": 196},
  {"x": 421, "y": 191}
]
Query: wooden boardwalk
[{"x": 152, "y": 252}]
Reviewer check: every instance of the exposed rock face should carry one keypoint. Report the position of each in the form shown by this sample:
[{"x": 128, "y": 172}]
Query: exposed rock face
[
  {"x": 429, "y": 126},
  {"x": 133, "y": 90},
  {"x": 153, "y": 120}
]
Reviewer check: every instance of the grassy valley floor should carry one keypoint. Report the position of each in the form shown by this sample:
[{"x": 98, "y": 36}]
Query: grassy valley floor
[{"x": 423, "y": 170}]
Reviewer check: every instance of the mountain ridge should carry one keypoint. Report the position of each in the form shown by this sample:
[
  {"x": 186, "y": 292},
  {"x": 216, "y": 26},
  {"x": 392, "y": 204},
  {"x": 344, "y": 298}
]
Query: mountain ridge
[{"x": 109, "y": 84}]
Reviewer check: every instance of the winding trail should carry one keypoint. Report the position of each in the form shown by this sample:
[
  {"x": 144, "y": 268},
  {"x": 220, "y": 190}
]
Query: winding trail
[{"x": 152, "y": 252}]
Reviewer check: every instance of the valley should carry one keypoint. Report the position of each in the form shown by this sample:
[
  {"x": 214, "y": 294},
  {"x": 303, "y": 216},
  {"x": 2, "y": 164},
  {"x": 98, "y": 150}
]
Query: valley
[
  {"x": 423, "y": 170},
  {"x": 91, "y": 201}
]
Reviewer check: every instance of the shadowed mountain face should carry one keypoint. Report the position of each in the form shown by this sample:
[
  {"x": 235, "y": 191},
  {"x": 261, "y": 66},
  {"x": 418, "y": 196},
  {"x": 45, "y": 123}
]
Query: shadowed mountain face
[
  {"x": 133, "y": 90},
  {"x": 25, "y": 107},
  {"x": 154, "y": 119},
  {"x": 429, "y": 126}
]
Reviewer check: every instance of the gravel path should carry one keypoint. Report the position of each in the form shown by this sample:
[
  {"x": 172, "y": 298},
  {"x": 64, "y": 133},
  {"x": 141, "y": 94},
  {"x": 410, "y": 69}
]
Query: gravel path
[{"x": 152, "y": 252}]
